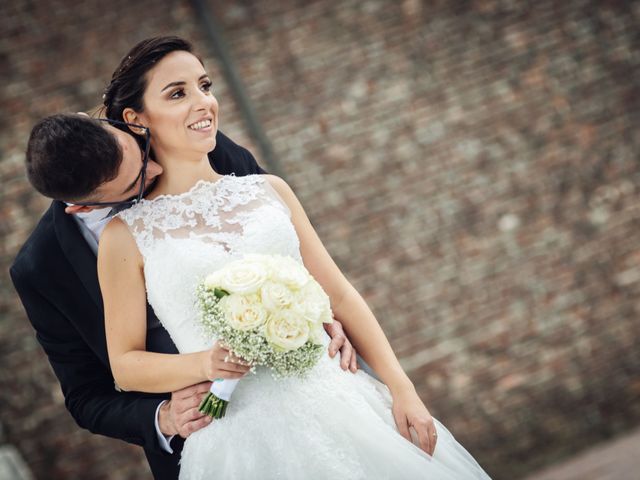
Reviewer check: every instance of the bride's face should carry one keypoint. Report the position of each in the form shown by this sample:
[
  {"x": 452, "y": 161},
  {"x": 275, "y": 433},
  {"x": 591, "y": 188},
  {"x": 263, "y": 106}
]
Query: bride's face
[{"x": 179, "y": 107}]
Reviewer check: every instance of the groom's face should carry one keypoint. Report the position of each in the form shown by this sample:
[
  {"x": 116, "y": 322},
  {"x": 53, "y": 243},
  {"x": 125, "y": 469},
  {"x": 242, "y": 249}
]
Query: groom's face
[{"x": 126, "y": 183}]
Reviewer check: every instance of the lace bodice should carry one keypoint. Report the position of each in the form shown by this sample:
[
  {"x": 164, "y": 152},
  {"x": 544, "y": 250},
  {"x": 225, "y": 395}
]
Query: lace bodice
[{"x": 183, "y": 238}]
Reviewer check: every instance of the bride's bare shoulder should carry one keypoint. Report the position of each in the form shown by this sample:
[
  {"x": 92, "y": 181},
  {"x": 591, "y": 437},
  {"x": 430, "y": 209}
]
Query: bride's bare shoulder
[
  {"x": 279, "y": 185},
  {"x": 117, "y": 243}
]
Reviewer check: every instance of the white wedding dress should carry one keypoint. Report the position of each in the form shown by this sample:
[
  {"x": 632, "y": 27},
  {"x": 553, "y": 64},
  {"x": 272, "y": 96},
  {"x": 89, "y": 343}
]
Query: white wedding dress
[{"x": 331, "y": 424}]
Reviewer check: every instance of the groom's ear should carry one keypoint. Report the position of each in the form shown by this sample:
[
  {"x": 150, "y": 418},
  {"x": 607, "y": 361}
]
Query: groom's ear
[{"x": 71, "y": 209}]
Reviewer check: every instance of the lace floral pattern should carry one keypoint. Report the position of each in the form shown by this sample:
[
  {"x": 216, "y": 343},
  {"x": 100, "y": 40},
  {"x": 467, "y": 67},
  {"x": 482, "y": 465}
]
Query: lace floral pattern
[{"x": 213, "y": 212}]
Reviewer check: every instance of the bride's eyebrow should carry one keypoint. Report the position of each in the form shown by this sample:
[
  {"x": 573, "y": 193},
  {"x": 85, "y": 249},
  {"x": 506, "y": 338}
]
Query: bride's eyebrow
[{"x": 181, "y": 82}]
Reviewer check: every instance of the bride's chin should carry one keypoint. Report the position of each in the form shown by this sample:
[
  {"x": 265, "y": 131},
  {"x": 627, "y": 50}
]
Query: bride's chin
[
  {"x": 205, "y": 147},
  {"x": 213, "y": 142}
]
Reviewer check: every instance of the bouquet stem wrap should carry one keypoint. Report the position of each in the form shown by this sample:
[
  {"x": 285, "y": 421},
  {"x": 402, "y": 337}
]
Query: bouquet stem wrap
[{"x": 215, "y": 402}]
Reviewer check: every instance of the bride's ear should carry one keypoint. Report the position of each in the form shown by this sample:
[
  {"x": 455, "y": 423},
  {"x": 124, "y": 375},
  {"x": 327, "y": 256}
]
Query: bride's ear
[{"x": 129, "y": 115}]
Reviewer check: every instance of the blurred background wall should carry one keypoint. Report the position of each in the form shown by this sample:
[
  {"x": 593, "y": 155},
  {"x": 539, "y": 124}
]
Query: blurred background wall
[{"x": 472, "y": 166}]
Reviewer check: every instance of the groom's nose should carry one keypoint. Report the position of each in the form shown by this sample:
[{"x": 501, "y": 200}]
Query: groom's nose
[{"x": 153, "y": 170}]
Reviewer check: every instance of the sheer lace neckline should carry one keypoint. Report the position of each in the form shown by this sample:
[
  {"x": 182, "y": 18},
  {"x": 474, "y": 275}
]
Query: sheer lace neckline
[
  {"x": 230, "y": 214},
  {"x": 200, "y": 184}
]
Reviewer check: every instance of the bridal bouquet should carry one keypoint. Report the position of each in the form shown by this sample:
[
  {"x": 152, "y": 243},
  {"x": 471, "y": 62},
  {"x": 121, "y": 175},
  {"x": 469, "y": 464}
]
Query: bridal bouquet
[{"x": 269, "y": 311}]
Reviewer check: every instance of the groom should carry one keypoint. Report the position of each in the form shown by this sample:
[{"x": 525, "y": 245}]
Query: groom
[{"x": 89, "y": 167}]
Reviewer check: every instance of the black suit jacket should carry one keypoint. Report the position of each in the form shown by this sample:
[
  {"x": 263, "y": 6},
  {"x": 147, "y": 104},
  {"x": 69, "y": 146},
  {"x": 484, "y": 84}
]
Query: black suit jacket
[{"x": 56, "y": 278}]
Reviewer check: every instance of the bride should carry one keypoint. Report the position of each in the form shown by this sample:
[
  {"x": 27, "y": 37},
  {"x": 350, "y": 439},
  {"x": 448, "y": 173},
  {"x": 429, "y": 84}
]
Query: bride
[{"x": 195, "y": 221}]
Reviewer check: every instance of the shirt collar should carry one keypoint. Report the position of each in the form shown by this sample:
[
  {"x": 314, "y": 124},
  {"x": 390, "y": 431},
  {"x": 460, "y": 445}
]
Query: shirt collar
[{"x": 94, "y": 215}]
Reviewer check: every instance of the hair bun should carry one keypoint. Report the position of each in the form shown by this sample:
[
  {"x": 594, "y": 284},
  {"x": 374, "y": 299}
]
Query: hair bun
[{"x": 107, "y": 95}]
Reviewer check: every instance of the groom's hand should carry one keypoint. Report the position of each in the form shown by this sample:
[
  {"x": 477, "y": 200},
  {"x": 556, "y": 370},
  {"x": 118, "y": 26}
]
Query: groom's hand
[
  {"x": 180, "y": 415},
  {"x": 340, "y": 342}
]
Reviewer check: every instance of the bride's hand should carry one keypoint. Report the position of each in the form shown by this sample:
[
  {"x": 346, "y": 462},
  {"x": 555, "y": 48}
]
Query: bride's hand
[
  {"x": 409, "y": 411},
  {"x": 218, "y": 362}
]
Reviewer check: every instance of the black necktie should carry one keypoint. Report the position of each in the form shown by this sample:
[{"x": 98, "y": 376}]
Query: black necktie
[{"x": 117, "y": 209}]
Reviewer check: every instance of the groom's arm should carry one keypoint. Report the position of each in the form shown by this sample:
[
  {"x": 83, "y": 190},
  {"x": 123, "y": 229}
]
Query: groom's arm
[{"x": 87, "y": 384}]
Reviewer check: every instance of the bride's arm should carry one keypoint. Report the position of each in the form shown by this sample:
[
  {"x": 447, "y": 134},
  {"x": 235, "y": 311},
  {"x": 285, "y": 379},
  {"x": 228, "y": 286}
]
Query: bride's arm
[
  {"x": 124, "y": 297},
  {"x": 361, "y": 326}
]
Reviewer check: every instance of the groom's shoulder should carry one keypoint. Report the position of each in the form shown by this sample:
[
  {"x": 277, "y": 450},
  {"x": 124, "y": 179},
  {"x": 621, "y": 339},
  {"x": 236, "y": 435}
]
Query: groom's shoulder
[
  {"x": 229, "y": 157},
  {"x": 225, "y": 143},
  {"x": 38, "y": 245}
]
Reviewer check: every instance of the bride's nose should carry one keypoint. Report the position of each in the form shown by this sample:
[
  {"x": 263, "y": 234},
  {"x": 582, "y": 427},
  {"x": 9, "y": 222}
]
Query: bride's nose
[{"x": 205, "y": 101}]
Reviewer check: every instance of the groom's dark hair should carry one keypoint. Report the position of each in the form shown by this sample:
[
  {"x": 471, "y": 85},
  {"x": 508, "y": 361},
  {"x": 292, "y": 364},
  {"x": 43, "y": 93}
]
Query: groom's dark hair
[{"x": 70, "y": 155}]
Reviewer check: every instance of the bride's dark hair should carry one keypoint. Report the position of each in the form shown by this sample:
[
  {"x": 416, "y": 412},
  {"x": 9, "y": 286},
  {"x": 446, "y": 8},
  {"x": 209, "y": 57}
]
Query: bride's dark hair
[{"x": 129, "y": 80}]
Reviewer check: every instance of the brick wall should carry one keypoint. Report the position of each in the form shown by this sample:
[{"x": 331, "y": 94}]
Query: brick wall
[{"x": 471, "y": 166}]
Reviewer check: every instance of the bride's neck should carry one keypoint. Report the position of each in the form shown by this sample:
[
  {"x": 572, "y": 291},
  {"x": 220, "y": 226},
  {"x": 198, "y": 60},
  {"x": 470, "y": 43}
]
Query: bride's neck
[{"x": 180, "y": 174}]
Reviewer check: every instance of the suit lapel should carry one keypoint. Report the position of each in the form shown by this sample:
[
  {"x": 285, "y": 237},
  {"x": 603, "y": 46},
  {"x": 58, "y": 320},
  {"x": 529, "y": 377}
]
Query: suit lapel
[{"x": 77, "y": 251}]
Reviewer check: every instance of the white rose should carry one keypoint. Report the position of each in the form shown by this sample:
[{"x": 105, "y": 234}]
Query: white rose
[
  {"x": 276, "y": 296},
  {"x": 243, "y": 312},
  {"x": 290, "y": 272},
  {"x": 243, "y": 277},
  {"x": 309, "y": 310},
  {"x": 266, "y": 260},
  {"x": 327, "y": 316},
  {"x": 316, "y": 334},
  {"x": 313, "y": 304},
  {"x": 286, "y": 330},
  {"x": 213, "y": 280}
]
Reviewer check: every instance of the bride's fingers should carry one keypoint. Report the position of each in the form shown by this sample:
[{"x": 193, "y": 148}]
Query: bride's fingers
[
  {"x": 433, "y": 434},
  {"x": 226, "y": 354},
  {"x": 230, "y": 375},
  {"x": 236, "y": 369},
  {"x": 354, "y": 361},
  {"x": 403, "y": 426},
  {"x": 228, "y": 357},
  {"x": 233, "y": 366},
  {"x": 424, "y": 436}
]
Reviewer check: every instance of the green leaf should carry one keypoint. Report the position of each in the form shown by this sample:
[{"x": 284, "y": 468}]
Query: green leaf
[{"x": 219, "y": 292}]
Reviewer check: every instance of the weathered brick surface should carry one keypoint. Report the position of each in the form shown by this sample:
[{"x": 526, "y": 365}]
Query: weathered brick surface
[{"x": 471, "y": 166}]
